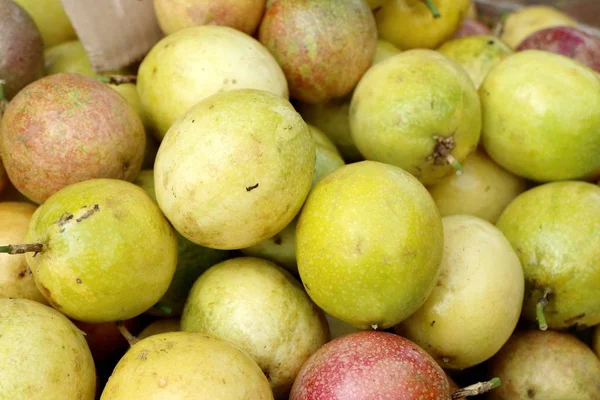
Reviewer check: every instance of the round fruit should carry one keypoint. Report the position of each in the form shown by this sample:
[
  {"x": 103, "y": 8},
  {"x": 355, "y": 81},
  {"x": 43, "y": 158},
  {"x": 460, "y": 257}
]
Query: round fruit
[
  {"x": 522, "y": 23},
  {"x": 177, "y": 365},
  {"x": 370, "y": 366},
  {"x": 369, "y": 243},
  {"x": 324, "y": 47},
  {"x": 160, "y": 326},
  {"x": 545, "y": 365},
  {"x": 476, "y": 54},
  {"x": 243, "y": 15},
  {"x": 68, "y": 128},
  {"x": 44, "y": 355},
  {"x": 484, "y": 189},
  {"x": 108, "y": 252},
  {"x": 419, "y": 111},
  {"x": 51, "y": 19},
  {"x": 194, "y": 63},
  {"x": 461, "y": 324},
  {"x": 410, "y": 24},
  {"x": 235, "y": 170},
  {"x": 16, "y": 280},
  {"x": 535, "y": 105},
  {"x": 553, "y": 229},
  {"x": 384, "y": 51},
  {"x": 21, "y": 49},
  {"x": 262, "y": 309}
]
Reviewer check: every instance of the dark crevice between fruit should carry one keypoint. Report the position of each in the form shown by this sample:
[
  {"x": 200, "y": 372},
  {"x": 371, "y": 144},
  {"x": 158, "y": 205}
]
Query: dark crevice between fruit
[
  {"x": 3, "y": 101},
  {"x": 442, "y": 153},
  {"x": 118, "y": 79},
  {"x": 476, "y": 389},
  {"x": 164, "y": 308}
]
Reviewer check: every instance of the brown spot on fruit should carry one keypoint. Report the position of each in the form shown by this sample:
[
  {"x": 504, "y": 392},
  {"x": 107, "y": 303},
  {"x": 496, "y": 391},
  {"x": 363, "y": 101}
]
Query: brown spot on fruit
[
  {"x": 88, "y": 213},
  {"x": 143, "y": 355},
  {"x": 531, "y": 393},
  {"x": 22, "y": 274},
  {"x": 79, "y": 282},
  {"x": 251, "y": 188}
]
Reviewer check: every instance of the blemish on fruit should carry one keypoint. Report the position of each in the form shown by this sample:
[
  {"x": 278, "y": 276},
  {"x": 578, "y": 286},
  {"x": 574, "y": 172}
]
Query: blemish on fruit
[
  {"x": 78, "y": 280},
  {"x": 277, "y": 239},
  {"x": 432, "y": 323},
  {"x": 88, "y": 213},
  {"x": 251, "y": 188},
  {"x": 143, "y": 355},
  {"x": 574, "y": 319},
  {"x": 530, "y": 393}
]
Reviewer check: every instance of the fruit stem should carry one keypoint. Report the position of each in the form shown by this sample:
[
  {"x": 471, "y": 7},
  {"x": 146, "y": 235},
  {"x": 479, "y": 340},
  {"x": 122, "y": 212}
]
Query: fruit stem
[
  {"x": 434, "y": 11},
  {"x": 22, "y": 248},
  {"x": 476, "y": 389},
  {"x": 539, "y": 310},
  {"x": 118, "y": 79},
  {"x": 132, "y": 340},
  {"x": 164, "y": 308},
  {"x": 455, "y": 164}
]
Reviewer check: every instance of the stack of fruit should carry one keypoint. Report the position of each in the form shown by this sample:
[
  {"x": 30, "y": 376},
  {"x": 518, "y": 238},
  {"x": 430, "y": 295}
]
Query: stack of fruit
[{"x": 302, "y": 199}]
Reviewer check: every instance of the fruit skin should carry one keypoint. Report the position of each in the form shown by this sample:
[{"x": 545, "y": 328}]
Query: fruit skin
[
  {"x": 472, "y": 27},
  {"x": 109, "y": 253},
  {"x": 553, "y": 228},
  {"x": 483, "y": 190},
  {"x": 534, "y": 104},
  {"x": 522, "y": 23},
  {"x": 194, "y": 63},
  {"x": 16, "y": 280},
  {"x": 409, "y": 24},
  {"x": 476, "y": 54},
  {"x": 364, "y": 229},
  {"x": 182, "y": 365},
  {"x": 403, "y": 103},
  {"x": 323, "y": 47},
  {"x": 235, "y": 170},
  {"x": 545, "y": 365},
  {"x": 568, "y": 41},
  {"x": 21, "y": 49},
  {"x": 461, "y": 325},
  {"x": 44, "y": 355},
  {"x": 68, "y": 128},
  {"x": 243, "y": 15},
  {"x": 192, "y": 261},
  {"x": 259, "y": 307},
  {"x": 51, "y": 19},
  {"x": 4, "y": 182},
  {"x": 370, "y": 366},
  {"x": 160, "y": 326},
  {"x": 384, "y": 51}
]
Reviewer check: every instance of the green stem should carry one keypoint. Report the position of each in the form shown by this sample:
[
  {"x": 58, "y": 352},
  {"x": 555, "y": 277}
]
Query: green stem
[
  {"x": 164, "y": 308},
  {"x": 434, "y": 11},
  {"x": 539, "y": 310},
  {"x": 477, "y": 389},
  {"x": 455, "y": 164},
  {"x": 118, "y": 79},
  {"x": 22, "y": 248},
  {"x": 132, "y": 340}
]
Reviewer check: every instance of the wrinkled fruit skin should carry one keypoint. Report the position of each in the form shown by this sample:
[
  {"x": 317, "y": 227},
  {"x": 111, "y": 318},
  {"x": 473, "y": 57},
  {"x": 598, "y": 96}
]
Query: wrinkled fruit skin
[
  {"x": 535, "y": 104},
  {"x": 547, "y": 366},
  {"x": 476, "y": 54},
  {"x": 370, "y": 366},
  {"x": 109, "y": 253},
  {"x": 323, "y": 47},
  {"x": 182, "y": 364},
  {"x": 402, "y": 104},
  {"x": 553, "y": 230},
  {"x": 68, "y": 128},
  {"x": 568, "y": 41},
  {"x": 51, "y": 19},
  {"x": 472, "y": 27},
  {"x": 243, "y": 15},
  {"x": 21, "y": 48},
  {"x": 369, "y": 243},
  {"x": 194, "y": 63},
  {"x": 479, "y": 270},
  {"x": 261, "y": 308},
  {"x": 44, "y": 355},
  {"x": 235, "y": 170}
]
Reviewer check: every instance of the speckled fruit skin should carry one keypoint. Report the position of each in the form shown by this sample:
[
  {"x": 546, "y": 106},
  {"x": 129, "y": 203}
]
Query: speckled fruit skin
[
  {"x": 68, "y": 128},
  {"x": 44, "y": 355},
  {"x": 16, "y": 280},
  {"x": 553, "y": 228},
  {"x": 235, "y": 170},
  {"x": 194, "y": 63},
  {"x": 243, "y": 15},
  {"x": 259, "y": 307},
  {"x": 323, "y": 47},
  {"x": 192, "y": 261},
  {"x": 461, "y": 324},
  {"x": 409, "y": 24},
  {"x": 21, "y": 48},
  {"x": 483, "y": 190},
  {"x": 369, "y": 244},
  {"x": 109, "y": 253},
  {"x": 184, "y": 365},
  {"x": 370, "y": 366},
  {"x": 51, "y": 19},
  {"x": 546, "y": 366},
  {"x": 400, "y": 106},
  {"x": 476, "y": 54},
  {"x": 568, "y": 41},
  {"x": 541, "y": 117}
]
